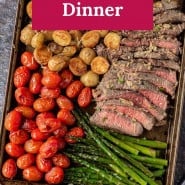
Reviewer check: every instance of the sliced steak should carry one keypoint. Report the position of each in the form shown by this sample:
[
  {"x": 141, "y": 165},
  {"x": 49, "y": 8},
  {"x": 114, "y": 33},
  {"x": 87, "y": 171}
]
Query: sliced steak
[
  {"x": 118, "y": 122},
  {"x": 172, "y": 4},
  {"x": 145, "y": 119}
]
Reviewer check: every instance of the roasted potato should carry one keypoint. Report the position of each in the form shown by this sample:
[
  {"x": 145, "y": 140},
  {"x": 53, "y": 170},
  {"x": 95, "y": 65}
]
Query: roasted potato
[
  {"x": 57, "y": 63},
  {"x": 100, "y": 65},
  {"x": 62, "y": 37},
  {"x": 29, "y": 9},
  {"x": 47, "y": 35},
  {"x": 76, "y": 35},
  {"x": 102, "y": 32},
  {"x": 55, "y": 48},
  {"x": 87, "y": 54},
  {"x": 77, "y": 66},
  {"x": 42, "y": 55},
  {"x": 90, "y": 79},
  {"x": 69, "y": 51},
  {"x": 27, "y": 34},
  {"x": 112, "y": 40},
  {"x": 37, "y": 40},
  {"x": 90, "y": 38}
]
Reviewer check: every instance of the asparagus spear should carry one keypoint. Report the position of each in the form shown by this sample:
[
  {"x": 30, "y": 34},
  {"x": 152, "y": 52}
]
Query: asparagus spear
[{"x": 159, "y": 173}]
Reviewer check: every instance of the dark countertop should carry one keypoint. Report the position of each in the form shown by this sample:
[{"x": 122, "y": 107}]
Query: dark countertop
[{"x": 7, "y": 20}]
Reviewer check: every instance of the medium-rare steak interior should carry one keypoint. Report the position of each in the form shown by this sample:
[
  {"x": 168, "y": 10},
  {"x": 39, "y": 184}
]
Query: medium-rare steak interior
[{"x": 136, "y": 91}]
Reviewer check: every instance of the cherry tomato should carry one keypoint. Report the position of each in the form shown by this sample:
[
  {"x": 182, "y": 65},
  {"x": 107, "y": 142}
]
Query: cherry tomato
[
  {"x": 29, "y": 125},
  {"x": 50, "y": 93},
  {"x": 37, "y": 135},
  {"x": 72, "y": 133},
  {"x": 21, "y": 76},
  {"x": 19, "y": 136},
  {"x": 44, "y": 104},
  {"x": 9, "y": 169},
  {"x": 42, "y": 116},
  {"x": 28, "y": 60},
  {"x": 61, "y": 143},
  {"x": 73, "y": 90},
  {"x": 23, "y": 96},
  {"x": 44, "y": 165},
  {"x": 55, "y": 175},
  {"x": 25, "y": 161},
  {"x": 32, "y": 146},
  {"x": 67, "y": 77},
  {"x": 46, "y": 71},
  {"x": 61, "y": 160},
  {"x": 85, "y": 97},
  {"x": 32, "y": 173},
  {"x": 27, "y": 112},
  {"x": 35, "y": 84},
  {"x": 61, "y": 132},
  {"x": 13, "y": 120},
  {"x": 49, "y": 147},
  {"x": 64, "y": 103},
  {"x": 66, "y": 117},
  {"x": 51, "y": 80},
  {"x": 14, "y": 150}
]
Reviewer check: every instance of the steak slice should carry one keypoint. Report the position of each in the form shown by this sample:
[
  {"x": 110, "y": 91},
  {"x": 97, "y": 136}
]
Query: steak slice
[
  {"x": 117, "y": 122},
  {"x": 145, "y": 119}
]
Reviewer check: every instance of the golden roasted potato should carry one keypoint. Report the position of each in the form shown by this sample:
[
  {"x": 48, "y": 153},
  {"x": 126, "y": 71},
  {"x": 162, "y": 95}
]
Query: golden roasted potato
[
  {"x": 112, "y": 40},
  {"x": 90, "y": 39},
  {"x": 27, "y": 34},
  {"x": 42, "y": 55},
  {"x": 55, "y": 48},
  {"x": 69, "y": 51},
  {"x": 102, "y": 32},
  {"x": 62, "y": 37},
  {"x": 87, "y": 54},
  {"x": 90, "y": 79},
  {"x": 29, "y": 9},
  {"x": 100, "y": 65},
  {"x": 47, "y": 35},
  {"x": 37, "y": 40},
  {"x": 77, "y": 66},
  {"x": 57, "y": 63},
  {"x": 76, "y": 35}
]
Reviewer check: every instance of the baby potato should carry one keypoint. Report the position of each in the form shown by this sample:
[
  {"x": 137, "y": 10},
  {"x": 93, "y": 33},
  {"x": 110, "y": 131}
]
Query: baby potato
[
  {"x": 47, "y": 35},
  {"x": 69, "y": 51},
  {"x": 90, "y": 38},
  {"x": 57, "y": 63},
  {"x": 29, "y": 9},
  {"x": 102, "y": 32},
  {"x": 90, "y": 79},
  {"x": 112, "y": 40},
  {"x": 87, "y": 54},
  {"x": 62, "y": 37},
  {"x": 37, "y": 40},
  {"x": 100, "y": 65},
  {"x": 76, "y": 35},
  {"x": 55, "y": 48},
  {"x": 42, "y": 55},
  {"x": 27, "y": 34},
  {"x": 77, "y": 66}
]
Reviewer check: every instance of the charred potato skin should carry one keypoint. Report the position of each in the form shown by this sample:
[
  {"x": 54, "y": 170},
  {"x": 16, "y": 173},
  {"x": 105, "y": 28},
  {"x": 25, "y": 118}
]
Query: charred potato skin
[{"x": 55, "y": 48}]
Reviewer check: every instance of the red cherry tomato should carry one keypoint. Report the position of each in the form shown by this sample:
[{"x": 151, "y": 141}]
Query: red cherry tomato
[
  {"x": 85, "y": 97},
  {"x": 55, "y": 175},
  {"x": 66, "y": 78},
  {"x": 61, "y": 160},
  {"x": 44, "y": 165},
  {"x": 28, "y": 60},
  {"x": 49, "y": 147},
  {"x": 50, "y": 93},
  {"x": 51, "y": 80},
  {"x": 42, "y": 116},
  {"x": 29, "y": 125},
  {"x": 73, "y": 90},
  {"x": 66, "y": 117},
  {"x": 27, "y": 112},
  {"x": 77, "y": 132},
  {"x": 19, "y": 136},
  {"x": 23, "y": 96},
  {"x": 61, "y": 143},
  {"x": 46, "y": 71},
  {"x": 44, "y": 104},
  {"x": 61, "y": 132},
  {"x": 14, "y": 150},
  {"x": 9, "y": 169},
  {"x": 64, "y": 103},
  {"x": 21, "y": 76},
  {"x": 37, "y": 135},
  {"x": 32, "y": 173},
  {"x": 35, "y": 84},
  {"x": 13, "y": 120},
  {"x": 25, "y": 161},
  {"x": 32, "y": 146}
]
